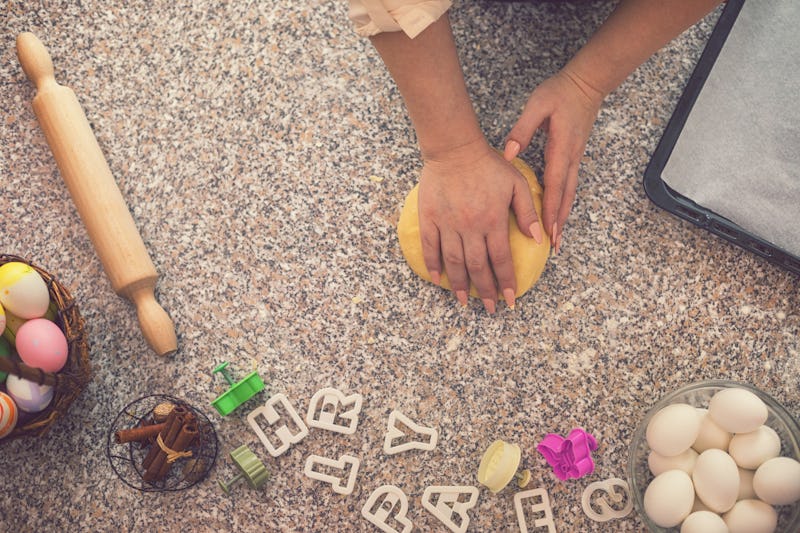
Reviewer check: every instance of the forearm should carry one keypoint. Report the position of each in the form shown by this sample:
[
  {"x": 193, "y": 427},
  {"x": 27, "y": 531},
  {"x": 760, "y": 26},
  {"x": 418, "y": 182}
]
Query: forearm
[
  {"x": 429, "y": 76},
  {"x": 631, "y": 34}
]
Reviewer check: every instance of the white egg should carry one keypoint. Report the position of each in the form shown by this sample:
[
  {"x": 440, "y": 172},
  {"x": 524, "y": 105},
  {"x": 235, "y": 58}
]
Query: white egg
[
  {"x": 673, "y": 429},
  {"x": 704, "y": 522},
  {"x": 659, "y": 464},
  {"x": 711, "y": 435},
  {"x": 716, "y": 480},
  {"x": 751, "y": 516},
  {"x": 746, "y": 491},
  {"x": 737, "y": 410},
  {"x": 749, "y": 450},
  {"x": 668, "y": 499},
  {"x": 777, "y": 481}
]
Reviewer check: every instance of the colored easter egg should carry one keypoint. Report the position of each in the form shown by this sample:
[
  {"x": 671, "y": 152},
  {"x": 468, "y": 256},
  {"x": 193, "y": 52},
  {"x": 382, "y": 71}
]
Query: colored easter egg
[
  {"x": 23, "y": 291},
  {"x": 2, "y": 318},
  {"x": 41, "y": 344},
  {"x": 8, "y": 414},
  {"x": 29, "y": 396},
  {"x": 5, "y": 351}
]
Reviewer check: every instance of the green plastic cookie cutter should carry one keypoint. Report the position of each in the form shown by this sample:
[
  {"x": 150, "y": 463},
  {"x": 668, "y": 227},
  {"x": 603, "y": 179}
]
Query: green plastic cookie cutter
[
  {"x": 239, "y": 393},
  {"x": 251, "y": 469}
]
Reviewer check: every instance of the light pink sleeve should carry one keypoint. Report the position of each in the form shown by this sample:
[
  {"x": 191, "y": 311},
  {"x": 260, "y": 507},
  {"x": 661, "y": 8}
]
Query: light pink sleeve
[{"x": 371, "y": 17}]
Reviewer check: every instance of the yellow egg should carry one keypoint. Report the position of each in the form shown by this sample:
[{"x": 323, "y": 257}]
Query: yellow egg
[
  {"x": 23, "y": 292},
  {"x": 529, "y": 258}
]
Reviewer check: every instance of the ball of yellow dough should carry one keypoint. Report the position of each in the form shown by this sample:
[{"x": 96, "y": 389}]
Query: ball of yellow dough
[{"x": 528, "y": 257}]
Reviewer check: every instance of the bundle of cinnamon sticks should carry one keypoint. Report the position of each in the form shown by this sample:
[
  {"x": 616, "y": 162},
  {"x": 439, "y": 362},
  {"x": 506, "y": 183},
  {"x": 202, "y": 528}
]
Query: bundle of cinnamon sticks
[{"x": 170, "y": 440}]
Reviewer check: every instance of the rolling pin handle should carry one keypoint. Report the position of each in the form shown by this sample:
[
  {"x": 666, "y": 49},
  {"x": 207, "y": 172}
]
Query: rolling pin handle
[
  {"x": 35, "y": 60},
  {"x": 156, "y": 325}
]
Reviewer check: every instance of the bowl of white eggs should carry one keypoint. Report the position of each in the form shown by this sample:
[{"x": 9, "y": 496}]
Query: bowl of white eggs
[{"x": 717, "y": 456}]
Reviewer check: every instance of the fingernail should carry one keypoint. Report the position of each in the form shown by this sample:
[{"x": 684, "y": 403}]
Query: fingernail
[
  {"x": 536, "y": 231},
  {"x": 488, "y": 303},
  {"x": 558, "y": 242},
  {"x": 554, "y": 238},
  {"x": 509, "y": 296},
  {"x": 511, "y": 150},
  {"x": 436, "y": 277},
  {"x": 461, "y": 296}
]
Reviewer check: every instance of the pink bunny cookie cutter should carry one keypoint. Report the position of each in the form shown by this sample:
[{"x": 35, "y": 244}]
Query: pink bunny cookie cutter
[{"x": 570, "y": 457}]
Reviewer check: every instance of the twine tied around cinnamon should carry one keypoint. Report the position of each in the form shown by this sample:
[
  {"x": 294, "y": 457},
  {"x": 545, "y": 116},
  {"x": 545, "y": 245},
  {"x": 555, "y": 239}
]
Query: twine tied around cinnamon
[{"x": 172, "y": 455}]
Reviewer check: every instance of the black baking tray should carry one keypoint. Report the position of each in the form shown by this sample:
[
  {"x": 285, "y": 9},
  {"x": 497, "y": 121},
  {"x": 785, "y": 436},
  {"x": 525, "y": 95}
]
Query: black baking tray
[{"x": 670, "y": 200}]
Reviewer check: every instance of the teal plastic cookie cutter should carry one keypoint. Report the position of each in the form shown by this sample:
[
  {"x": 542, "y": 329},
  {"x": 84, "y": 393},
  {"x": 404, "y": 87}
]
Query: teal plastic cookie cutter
[
  {"x": 251, "y": 469},
  {"x": 239, "y": 393}
]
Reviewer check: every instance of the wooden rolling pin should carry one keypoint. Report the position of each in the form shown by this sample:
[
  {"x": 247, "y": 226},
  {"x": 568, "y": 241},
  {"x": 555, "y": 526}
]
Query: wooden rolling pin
[{"x": 96, "y": 195}]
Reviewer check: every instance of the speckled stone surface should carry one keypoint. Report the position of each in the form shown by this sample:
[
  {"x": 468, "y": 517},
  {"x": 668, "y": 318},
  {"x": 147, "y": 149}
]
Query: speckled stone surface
[{"x": 264, "y": 153}]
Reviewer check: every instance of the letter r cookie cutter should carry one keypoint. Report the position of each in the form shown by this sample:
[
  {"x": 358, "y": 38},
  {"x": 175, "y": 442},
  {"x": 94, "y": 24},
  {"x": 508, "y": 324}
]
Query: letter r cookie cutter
[{"x": 332, "y": 399}]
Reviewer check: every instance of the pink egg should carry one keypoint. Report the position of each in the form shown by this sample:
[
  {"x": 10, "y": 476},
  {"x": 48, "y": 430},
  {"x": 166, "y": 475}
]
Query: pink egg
[{"x": 41, "y": 344}]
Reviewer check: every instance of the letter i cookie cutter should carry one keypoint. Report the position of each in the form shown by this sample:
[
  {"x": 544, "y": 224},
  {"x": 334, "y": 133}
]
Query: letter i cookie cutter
[
  {"x": 449, "y": 509},
  {"x": 285, "y": 435},
  {"x": 324, "y": 416},
  {"x": 393, "y": 507}
]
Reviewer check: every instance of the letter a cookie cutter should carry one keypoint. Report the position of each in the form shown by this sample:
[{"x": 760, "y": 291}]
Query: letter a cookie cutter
[
  {"x": 448, "y": 505},
  {"x": 543, "y": 507},
  {"x": 342, "y": 465},
  {"x": 332, "y": 399},
  {"x": 283, "y": 433},
  {"x": 606, "y": 511},
  {"x": 393, "y": 433},
  {"x": 381, "y": 515}
]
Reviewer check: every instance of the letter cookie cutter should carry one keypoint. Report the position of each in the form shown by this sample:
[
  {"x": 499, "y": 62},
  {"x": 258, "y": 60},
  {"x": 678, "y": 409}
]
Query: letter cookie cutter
[
  {"x": 324, "y": 416},
  {"x": 606, "y": 511},
  {"x": 341, "y": 464},
  {"x": 393, "y": 433},
  {"x": 283, "y": 433},
  {"x": 381, "y": 514},
  {"x": 570, "y": 457},
  {"x": 448, "y": 505},
  {"x": 543, "y": 507}
]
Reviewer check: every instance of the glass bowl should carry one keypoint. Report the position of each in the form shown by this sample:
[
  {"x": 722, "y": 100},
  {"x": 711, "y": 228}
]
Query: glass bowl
[{"x": 698, "y": 395}]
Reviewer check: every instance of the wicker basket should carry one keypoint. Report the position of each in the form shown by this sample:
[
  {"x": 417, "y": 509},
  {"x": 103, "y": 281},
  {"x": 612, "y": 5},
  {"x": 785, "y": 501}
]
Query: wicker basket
[{"x": 70, "y": 380}]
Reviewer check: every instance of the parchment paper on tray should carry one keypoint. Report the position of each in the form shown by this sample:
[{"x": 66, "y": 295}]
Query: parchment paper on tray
[{"x": 739, "y": 152}]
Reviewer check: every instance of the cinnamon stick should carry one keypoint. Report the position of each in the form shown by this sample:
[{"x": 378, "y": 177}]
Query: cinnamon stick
[
  {"x": 138, "y": 433},
  {"x": 172, "y": 427},
  {"x": 185, "y": 437}
]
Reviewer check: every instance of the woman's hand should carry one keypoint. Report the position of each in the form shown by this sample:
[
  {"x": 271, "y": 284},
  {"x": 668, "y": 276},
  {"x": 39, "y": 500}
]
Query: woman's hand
[
  {"x": 464, "y": 197},
  {"x": 565, "y": 108}
]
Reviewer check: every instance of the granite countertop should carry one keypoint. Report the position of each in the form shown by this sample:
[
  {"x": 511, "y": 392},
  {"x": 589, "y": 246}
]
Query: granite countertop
[{"x": 264, "y": 153}]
